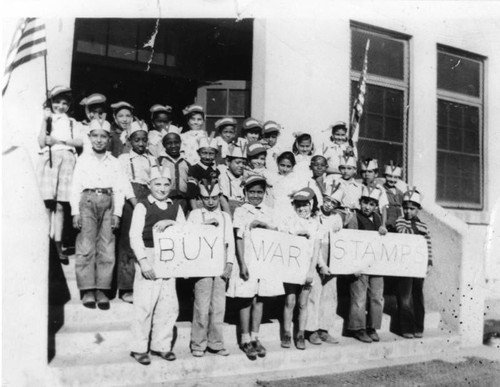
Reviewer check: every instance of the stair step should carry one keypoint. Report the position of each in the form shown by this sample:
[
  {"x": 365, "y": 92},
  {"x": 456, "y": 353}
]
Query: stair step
[
  {"x": 110, "y": 337},
  {"x": 119, "y": 369}
]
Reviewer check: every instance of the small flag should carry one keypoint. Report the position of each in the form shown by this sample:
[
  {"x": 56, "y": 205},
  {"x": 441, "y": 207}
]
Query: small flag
[
  {"x": 357, "y": 107},
  {"x": 29, "y": 42}
]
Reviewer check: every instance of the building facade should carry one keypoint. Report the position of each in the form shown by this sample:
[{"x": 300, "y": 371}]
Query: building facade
[{"x": 431, "y": 104}]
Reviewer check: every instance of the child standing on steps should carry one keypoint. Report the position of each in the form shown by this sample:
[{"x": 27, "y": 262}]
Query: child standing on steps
[
  {"x": 322, "y": 303},
  {"x": 303, "y": 149},
  {"x": 137, "y": 165},
  {"x": 303, "y": 222},
  {"x": 172, "y": 158},
  {"x": 335, "y": 146},
  {"x": 155, "y": 299},
  {"x": 410, "y": 291},
  {"x": 97, "y": 196},
  {"x": 161, "y": 122},
  {"x": 366, "y": 291},
  {"x": 58, "y": 138},
  {"x": 210, "y": 292},
  {"x": 251, "y": 291}
]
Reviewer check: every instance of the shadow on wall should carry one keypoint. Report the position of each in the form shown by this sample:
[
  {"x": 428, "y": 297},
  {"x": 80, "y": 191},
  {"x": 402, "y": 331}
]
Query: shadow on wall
[
  {"x": 58, "y": 296},
  {"x": 442, "y": 286}
]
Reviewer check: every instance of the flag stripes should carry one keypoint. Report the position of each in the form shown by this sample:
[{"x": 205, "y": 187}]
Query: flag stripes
[
  {"x": 357, "y": 107},
  {"x": 29, "y": 42}
]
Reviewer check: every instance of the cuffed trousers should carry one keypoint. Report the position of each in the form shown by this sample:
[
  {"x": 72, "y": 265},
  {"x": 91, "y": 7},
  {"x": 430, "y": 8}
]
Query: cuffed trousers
[
  {"x": 95, "y": 243},
  {"x": 367, "y": 295},
  {"x": 322, "y": 304},
  {"x": 156, "y": 309},
  {"x": 208, "y": 314}
]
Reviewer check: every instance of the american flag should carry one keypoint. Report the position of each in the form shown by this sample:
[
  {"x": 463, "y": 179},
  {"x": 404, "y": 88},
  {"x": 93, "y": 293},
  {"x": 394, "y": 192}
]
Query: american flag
[
  {"x": 357, "y": 106},
  {"x": 29, "y": 42}
]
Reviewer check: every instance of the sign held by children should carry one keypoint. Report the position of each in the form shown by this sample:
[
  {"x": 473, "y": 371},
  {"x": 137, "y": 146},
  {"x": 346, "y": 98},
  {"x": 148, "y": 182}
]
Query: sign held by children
[
  {"x": 368, "y": 252},
  {"x": 278, "y": 256},
  {"x": 189, "y": 250}
]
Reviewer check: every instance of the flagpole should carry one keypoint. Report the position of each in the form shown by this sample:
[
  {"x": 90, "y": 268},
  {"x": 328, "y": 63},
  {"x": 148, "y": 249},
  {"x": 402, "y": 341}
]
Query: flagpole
[{"x": 48, "y": 130}]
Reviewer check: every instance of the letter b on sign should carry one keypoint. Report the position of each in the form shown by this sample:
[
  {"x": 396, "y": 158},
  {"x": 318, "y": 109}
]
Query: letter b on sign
[{"x": 166, "y": 249}]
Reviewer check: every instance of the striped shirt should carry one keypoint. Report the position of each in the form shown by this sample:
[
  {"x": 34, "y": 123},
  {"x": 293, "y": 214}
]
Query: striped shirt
[{"x": 415, "y": 226}]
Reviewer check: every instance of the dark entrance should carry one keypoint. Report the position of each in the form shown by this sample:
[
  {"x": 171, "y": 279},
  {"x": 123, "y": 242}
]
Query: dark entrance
[{"x": 111, "y": 57}]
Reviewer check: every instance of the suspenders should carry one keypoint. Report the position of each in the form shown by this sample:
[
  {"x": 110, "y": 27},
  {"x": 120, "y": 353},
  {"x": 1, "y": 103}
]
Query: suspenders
[{"x": 132, "y": 169}]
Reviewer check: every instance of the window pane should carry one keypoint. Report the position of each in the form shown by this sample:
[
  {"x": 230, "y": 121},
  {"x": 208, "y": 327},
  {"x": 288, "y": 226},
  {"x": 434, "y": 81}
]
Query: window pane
[
  {"x": 239, "y": 102},
  {"x": 383, "y": 117},
  {"x": 458, "y": 128},
  {"x": 122, "y": 39},
  {"x": 458, "y": 178},
  {"x": 216, "y": 102},
  {"x": 385, "y": 56},
  {"x": 458, "y": 74},
  {"x": 91, "y": 36},
  {"x": 382, "y": 151}
]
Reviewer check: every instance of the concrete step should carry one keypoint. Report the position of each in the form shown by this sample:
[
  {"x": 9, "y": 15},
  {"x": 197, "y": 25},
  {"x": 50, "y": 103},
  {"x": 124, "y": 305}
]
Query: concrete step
[
  {"x": 119, "y": 369},
  {"x": 112, "y": 337}
]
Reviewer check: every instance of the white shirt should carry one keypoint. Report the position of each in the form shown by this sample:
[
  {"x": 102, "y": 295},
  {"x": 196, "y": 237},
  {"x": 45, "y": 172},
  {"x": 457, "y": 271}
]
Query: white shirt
[
  {"x": 93, "y": 172},
  {"x": 137, "y": 167},
  {"x": 139, "y": 220},
  {"x": 332, "y": 153},
  {"x": 64, "y": 128},
  {"x": 155, "y": 138},
  {"x": 230, "y": 185},
  {"x": 352, "y": 193},
  {"x": 201, "y": 215},
  {"x": 247, "y": 213},
  {"x": 190, "y": 145}
]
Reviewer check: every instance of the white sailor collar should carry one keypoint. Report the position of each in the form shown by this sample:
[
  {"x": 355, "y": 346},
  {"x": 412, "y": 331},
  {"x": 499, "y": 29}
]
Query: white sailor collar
[{"x": 153, "y": 200}]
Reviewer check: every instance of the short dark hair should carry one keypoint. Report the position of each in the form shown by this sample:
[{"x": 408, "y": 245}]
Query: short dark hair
[
  {"x": 286, "y": 156},
  {"x": 164, "y": 139}
]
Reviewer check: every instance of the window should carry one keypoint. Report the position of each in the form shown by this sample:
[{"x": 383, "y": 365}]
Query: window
[
  {"x": 383, "y": 126},
  {"x": 225, "y": 98},
  {"x": 459, "y": 121}
]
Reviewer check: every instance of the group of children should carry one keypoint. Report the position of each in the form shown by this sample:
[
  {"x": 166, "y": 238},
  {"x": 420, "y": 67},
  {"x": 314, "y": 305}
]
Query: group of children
[{"x": 123, "y": 180}]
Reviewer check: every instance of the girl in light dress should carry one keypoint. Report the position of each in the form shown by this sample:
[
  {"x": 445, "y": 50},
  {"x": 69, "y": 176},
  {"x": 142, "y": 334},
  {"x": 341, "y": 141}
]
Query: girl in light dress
[
  {"x": 303, "y": 149},
  {"x": 195, "y": 116},
  {"x": 59, "y": 136}
]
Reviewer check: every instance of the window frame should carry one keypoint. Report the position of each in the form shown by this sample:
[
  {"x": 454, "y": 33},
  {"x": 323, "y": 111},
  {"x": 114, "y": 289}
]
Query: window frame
[
  {"x": 468, "y": 100},
  {"x": 386, "y": 82}
]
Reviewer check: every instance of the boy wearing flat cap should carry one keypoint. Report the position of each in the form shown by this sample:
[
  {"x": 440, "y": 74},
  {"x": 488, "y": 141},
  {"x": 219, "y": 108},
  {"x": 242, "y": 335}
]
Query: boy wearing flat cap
[
  {"x": 366, "y": 288},
  {"x": 410, "y": 291},
  {"x": 161, "y": 122}
]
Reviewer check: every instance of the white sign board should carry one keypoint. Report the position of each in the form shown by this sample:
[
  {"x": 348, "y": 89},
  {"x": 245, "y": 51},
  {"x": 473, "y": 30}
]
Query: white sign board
[
  {"x": 368, "y": 252},
  {"x": 277, "y": 256},
  {"x": 189, "y": 250}
]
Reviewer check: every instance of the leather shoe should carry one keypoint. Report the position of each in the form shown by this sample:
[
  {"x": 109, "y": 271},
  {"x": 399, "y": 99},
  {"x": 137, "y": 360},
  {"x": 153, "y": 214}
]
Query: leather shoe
[
  {"x": 128, "y": 297},
  {"x": 259, "y": 348},
  {"x": 362, "y": 336},
  {"x": 142, "y": 358},
  {"x": 249, "y": 350},
  {"x": 419, "y": 335},
  {"x": 314, "y": 338},
  {"x": 220, "y": 352},
  {"x": 408, "y": 335},
  {"x": 88, "y": 299},
  {"x": 169, "y": 355},
  {"x": 286, "y": 342},
  {"x": 373, "y": 335},
  {"x": 300, "y": 342},
  {"x": 102, "y": 300},
  {"x": 327, "y": 338}
]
